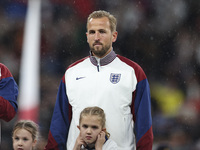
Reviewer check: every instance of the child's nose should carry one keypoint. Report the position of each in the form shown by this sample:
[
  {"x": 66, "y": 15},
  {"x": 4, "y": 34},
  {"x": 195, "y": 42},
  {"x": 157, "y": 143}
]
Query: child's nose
[
  {"x": 20, "y": 142},
  {"x": 89, "y": 130}
]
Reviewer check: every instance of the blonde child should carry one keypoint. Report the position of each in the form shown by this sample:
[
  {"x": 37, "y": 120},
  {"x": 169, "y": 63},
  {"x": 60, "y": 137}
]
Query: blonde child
[
  {"x": 93, "y": 134},
  {"x": 24, "y": 135}
]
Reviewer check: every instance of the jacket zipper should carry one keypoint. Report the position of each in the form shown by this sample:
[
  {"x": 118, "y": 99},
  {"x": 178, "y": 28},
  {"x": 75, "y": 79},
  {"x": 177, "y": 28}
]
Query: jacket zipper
[{"x": 98, "y": 64}]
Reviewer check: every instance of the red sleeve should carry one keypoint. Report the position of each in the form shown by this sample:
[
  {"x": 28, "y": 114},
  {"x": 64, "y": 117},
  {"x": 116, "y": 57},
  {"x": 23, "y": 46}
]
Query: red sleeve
[{"x": 7, "y": 111}]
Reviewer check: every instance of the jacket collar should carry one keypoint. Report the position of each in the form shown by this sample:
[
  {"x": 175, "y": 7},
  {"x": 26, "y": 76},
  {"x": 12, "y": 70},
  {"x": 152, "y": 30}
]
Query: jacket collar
[{"x": 105, "y": 60}]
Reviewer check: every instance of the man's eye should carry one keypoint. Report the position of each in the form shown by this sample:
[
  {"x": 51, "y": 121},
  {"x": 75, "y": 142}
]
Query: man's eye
[
  {"x": 91, "y": 32},
  {"x": 102, "y": 31}
]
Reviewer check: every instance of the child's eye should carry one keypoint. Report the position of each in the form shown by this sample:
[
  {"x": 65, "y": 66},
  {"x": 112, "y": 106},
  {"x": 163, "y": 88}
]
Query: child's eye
[
  {"x": 94, "y": 127},
  {"x": 16, "y": 138},
  {"x": 25, "y": 139},
  {"x": 85, "y": 126}
]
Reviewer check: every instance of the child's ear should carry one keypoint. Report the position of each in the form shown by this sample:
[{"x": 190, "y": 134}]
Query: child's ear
[
  {"x": 34, "y": 142},
  {"x": 104, "y": 129},
  {"x": 78, "y": 127}
]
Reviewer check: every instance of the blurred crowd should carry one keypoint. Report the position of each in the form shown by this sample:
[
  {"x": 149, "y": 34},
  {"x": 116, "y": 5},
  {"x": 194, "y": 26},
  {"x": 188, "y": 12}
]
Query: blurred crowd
[{"x": 162, "y": 36}]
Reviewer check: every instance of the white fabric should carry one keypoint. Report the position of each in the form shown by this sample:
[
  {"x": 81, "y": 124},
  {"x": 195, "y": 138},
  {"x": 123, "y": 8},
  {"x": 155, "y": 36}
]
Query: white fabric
[
  {"x": 109, "y": 145},
  {"x": 85, "y": 86}
]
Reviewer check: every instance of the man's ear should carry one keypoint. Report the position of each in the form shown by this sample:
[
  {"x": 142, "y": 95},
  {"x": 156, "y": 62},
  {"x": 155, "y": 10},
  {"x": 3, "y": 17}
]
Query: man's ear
[
  {"x": 87, "y": 36},
  {"x": 78, "y": 127},
  {"x": 114, "y": 36}
]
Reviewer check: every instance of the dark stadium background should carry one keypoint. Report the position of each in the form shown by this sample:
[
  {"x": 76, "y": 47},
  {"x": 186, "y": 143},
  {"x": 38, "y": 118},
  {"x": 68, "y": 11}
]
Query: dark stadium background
[{"x": 163, "y": 36}]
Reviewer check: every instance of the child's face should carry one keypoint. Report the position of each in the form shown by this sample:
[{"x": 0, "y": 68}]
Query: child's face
[
  {"x": 90, "y": 127},
  {"x": 22, "y": 140}
]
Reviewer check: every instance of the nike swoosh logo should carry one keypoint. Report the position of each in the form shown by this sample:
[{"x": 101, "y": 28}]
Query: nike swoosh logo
[{"x": 78, "y": 78}]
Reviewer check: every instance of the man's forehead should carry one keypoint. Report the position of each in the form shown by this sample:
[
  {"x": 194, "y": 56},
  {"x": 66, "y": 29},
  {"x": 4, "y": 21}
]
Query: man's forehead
[
  {"x": 102, "y": 19},
  {"x": 91, "y": 19},
  {"x": 99, "y": 22}
]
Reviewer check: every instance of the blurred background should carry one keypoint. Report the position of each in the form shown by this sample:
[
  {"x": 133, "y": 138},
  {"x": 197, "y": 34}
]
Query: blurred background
[{"x": 162, "y": 36}]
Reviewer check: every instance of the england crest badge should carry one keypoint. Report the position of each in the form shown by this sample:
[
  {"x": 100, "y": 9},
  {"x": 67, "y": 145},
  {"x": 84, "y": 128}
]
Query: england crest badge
[{"x": 115, "y": 78}]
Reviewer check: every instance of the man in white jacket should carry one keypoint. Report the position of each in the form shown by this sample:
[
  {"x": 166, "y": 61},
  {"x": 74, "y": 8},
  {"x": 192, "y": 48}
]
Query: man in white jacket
[{"x": 107, "y": 80}]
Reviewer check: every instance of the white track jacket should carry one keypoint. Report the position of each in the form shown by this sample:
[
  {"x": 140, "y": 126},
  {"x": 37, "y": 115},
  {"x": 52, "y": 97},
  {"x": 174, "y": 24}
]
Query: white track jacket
[{"x": 116, "y": 84}]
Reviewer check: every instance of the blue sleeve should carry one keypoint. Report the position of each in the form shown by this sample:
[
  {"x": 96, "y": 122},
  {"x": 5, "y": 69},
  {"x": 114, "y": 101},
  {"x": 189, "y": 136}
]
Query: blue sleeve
[
  {"x": 60, "y": 121},
  {"x": 9, "y": 91},
  {"x": 143, "y": 119}
]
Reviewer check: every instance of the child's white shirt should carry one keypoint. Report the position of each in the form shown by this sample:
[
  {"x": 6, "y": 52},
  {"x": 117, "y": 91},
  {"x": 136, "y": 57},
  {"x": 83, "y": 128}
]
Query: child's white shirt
[{"x": 108, "y": 145}]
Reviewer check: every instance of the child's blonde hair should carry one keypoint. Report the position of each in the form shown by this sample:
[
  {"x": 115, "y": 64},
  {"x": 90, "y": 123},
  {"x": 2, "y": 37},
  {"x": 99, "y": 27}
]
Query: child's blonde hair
[
  {"x": 28, "y": 125},
  {"x": 95, "y": 111}
]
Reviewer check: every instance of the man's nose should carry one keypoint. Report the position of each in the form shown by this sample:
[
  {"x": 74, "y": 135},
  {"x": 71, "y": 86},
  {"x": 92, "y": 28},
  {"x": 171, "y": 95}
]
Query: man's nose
[{"x": 97, "y": 36}]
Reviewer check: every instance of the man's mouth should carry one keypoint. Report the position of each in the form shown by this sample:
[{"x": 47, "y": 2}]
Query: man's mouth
[{"x": 97, "y": 44}]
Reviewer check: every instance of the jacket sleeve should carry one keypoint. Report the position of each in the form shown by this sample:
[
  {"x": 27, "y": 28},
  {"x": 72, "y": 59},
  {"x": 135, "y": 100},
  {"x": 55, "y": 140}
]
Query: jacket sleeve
[
  {"x": 8, "y": 94},
  {"x": 60, "y": 121},
  {"x": 143, "y": 120}
]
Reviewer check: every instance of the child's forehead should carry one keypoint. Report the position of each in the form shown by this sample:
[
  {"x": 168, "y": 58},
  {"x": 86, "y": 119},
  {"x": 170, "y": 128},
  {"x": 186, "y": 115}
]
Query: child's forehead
[
  {"x": 92, "y": 118},
  {"x": 21, "y": 131}
]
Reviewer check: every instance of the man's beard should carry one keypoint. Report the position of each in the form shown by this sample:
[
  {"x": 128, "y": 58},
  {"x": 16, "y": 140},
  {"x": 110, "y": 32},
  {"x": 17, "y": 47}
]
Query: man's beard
[{"x": 100, "y": 52}]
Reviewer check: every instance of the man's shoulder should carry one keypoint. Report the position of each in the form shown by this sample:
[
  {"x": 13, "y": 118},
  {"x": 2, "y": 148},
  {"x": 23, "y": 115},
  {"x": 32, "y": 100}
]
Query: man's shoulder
[
  {"x": 77, "y": 62},
  {"x": 129, "y": 62},
  {"x": 3, "y": 67},
  {"x": 4, "y": 71},
  {"x": 139, "y": 72},
  {"x": 71, "y": 66}
]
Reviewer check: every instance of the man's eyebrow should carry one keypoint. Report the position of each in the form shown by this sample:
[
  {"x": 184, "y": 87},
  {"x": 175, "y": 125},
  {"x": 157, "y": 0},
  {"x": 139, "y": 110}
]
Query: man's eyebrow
[
  {"x": 102, "y": 30},
  {"x": 91, "y": 31}
]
